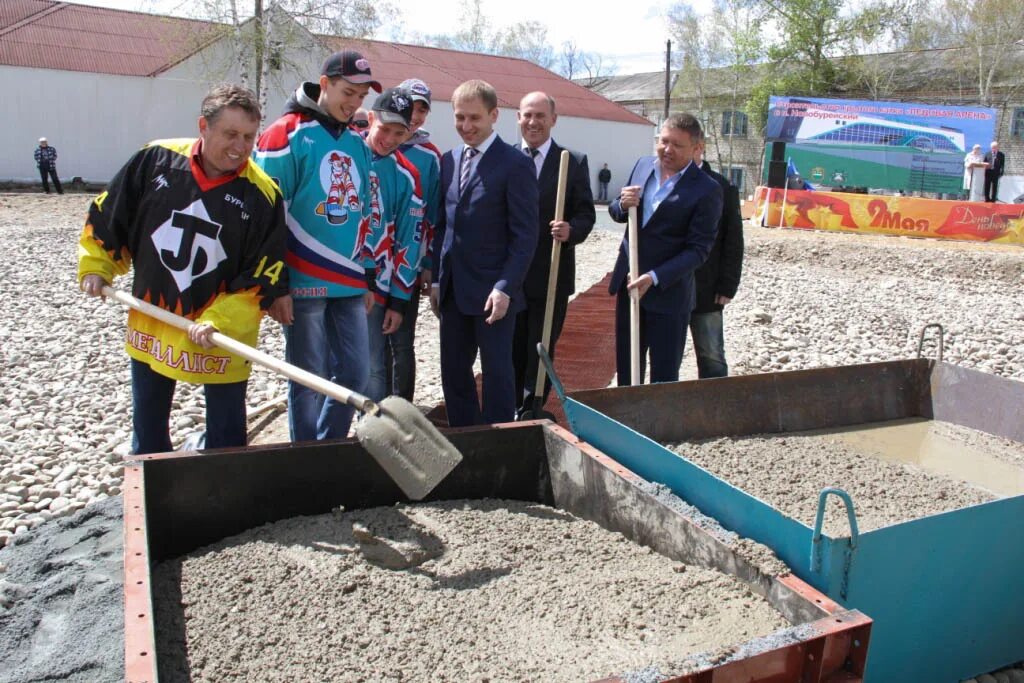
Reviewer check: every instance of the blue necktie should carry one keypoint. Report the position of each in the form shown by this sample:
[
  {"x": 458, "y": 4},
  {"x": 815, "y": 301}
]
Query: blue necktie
[{"x": 467, "y": 167}]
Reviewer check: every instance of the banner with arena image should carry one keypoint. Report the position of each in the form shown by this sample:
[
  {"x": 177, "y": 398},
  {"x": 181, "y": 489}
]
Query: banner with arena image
[
  {"x": 887, "y": 215},
  {"x": 886, "y": 145}
]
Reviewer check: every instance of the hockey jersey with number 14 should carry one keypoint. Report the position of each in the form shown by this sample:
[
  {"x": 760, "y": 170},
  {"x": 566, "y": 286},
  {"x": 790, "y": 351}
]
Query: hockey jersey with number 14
[{"x": 210, "y": 250}]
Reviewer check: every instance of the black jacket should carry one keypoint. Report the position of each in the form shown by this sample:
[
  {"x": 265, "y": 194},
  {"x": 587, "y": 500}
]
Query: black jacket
[
  {"x": 995, "y": 170},
  {"x": 579, "y": 213},
  {"x": 604, "y": 175},
  {"x": 720, "y": 274}
]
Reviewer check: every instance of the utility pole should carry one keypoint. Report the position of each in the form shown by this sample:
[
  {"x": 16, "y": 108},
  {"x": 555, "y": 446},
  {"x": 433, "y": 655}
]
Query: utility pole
[{"x": 668, "y": 74}]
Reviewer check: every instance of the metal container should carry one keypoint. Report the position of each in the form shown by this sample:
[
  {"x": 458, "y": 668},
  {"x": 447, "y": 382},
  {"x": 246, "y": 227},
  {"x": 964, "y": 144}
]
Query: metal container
[
  {"x": 946, "y": 591},
  {"x": 176, "y": 503}
]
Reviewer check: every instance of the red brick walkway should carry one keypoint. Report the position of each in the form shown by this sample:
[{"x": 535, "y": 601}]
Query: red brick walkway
[{"x": 586, "y": 349}]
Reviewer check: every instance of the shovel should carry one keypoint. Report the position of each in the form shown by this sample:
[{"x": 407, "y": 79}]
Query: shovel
[
  {"x": 634, "y": 301},
  {"x": 402, "y": 441},
  {"x": 537, "y": 412}
]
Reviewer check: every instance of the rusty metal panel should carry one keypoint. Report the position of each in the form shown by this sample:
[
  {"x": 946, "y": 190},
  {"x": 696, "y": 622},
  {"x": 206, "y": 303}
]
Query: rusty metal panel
[
  {"x": 978, "y": 400},
  {"x": 768, "y": 403},
  {"x": 188, "y": 500}
]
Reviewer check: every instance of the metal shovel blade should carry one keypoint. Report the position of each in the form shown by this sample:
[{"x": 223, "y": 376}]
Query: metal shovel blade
[{"x": 409, "y": 448}]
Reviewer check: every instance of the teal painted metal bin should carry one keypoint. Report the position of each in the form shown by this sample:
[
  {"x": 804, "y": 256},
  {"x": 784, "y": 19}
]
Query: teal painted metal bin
[{"x": 946, "y": 591}]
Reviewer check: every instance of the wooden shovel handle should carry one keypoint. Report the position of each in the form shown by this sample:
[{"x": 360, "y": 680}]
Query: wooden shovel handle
[
  {"x": 634, "y": 300},
  {"x": 303, "y": 377},
  {"x": 556, "y": 254}
]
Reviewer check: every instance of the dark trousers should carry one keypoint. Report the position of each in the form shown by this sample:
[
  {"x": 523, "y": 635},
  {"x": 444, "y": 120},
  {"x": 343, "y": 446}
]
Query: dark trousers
[
  {"x": 45, "y": 171},
  {"x": 400, "y": 352},
  {"x": 664, "y": 335},
  {"x": 709, "y": 344},
  {"x": 152, "y": 394},
  {"x": 529, "y": 328},
  {"x": 991, "y": 187},
  {"x": 461, "y": 337}
]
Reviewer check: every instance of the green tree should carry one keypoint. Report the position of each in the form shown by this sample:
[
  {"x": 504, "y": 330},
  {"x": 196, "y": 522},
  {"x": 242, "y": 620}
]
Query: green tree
[
  {"x": 808, "y": 38},
  {"x": 991, "y": 33},
  {"x": 260, "y": 37}
]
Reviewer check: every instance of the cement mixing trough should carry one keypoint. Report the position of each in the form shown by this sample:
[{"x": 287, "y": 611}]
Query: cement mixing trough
[
  {"x": 945, "y": 591},
  {"x": 176, "y": 503}
]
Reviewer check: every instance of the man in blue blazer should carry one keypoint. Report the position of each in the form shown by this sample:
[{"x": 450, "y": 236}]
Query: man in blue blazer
[
  {"x": 678, "y": 209},
  {"x": 485, "y": 239}
]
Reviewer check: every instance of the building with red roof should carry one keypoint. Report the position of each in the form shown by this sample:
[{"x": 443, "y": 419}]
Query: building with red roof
[{"x": 100, "y": 83}]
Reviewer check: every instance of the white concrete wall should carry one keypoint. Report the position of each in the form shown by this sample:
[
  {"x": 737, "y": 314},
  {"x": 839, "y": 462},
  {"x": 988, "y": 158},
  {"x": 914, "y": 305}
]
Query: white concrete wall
[
  {"x": 95, "y": 121},
  {"x": 604, "y": 142}
]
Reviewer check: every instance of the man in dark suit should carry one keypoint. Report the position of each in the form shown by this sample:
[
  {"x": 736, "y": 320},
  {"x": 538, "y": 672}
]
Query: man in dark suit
[
  {"x": 996, "y": 161},
  {"x": 486, "y": 235},
  {"x": 717, "y": 280},
  {"x": 536, "y": 117},
  {"x": 678, "y": 212}
]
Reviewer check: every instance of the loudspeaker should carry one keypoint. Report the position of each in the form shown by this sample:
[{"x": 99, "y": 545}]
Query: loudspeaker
[
  {"x": 778, "y": 151},
  {"x": 777, "y": 173}
]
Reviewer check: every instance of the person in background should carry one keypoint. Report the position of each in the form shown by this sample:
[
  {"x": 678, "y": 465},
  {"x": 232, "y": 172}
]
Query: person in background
[
  {"x": 717, "y": 279},
  {"x": 323, "y": 169},
  {"x": 360, "y": 122},
  {"x": 485, "y": 240},
  {"x": 46, "y": 162},
  {"x": 604, "y": 176},
  {"x": 996, "y": 161},
  {"x": 974, "y": 174},
  {"x": 400, "y": 351},
  {"x": 537, "y": 116},
  {"x": 678, "y": 210},
  {"x": 204, "y": 230}
]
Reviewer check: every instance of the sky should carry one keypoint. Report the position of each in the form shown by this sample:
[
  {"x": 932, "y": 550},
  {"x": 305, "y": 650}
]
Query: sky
[{"x": 632, "y": 35}]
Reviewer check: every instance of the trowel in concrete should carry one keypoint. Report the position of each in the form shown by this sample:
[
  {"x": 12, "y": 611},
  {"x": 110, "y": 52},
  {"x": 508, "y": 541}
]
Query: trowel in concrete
[{"x": 398, "y": 436}]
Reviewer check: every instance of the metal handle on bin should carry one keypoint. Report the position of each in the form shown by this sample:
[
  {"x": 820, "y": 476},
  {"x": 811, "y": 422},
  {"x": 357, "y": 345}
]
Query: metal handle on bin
[
  {"x": 920, "y": 340},
  {"x": 819, "y": 519}
]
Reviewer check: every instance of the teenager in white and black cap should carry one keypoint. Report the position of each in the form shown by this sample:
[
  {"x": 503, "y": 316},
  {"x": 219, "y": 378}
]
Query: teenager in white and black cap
[
  {"x": 323, "y": 168},
  {"x": 426, "y": 158},
  {"x": 397, "y": 252}
]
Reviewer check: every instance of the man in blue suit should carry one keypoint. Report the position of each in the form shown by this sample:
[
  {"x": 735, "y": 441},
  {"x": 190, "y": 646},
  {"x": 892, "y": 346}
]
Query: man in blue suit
[
  {"x": 678, "y": 209},
  {"x": 485, "y": 239}
]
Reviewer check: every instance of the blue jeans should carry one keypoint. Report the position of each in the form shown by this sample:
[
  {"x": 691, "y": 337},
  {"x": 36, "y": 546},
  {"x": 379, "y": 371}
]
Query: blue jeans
[
  {"x": 709, "y": 344},
  {"x": 152, "y": 394},
  {"x": 602, "y": 192},
  {"x": 329, "y": 338}
]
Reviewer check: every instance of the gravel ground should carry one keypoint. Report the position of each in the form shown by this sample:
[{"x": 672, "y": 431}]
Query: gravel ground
[
  {"x": 789, "y": 471},
  {"x": 807, "y": 300},
  {"x": 496, "y": 590},
  {"x": 61, "y": 603}
]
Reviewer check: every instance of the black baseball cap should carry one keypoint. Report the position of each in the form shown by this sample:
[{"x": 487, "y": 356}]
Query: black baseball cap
[
  {"x": 418, "y": 89},
  {"x": 394, "y": 105},
  {"x": 351, "y": 66}
]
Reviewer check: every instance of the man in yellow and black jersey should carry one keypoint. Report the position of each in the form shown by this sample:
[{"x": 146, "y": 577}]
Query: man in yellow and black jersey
[{"x": 205, "y": 231}]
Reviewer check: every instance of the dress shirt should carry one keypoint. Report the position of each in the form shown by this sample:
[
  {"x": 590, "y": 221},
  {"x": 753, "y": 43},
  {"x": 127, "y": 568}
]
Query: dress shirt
[
  {"x": 655, "y": 192},
  {"x": 542, "y": 154}
]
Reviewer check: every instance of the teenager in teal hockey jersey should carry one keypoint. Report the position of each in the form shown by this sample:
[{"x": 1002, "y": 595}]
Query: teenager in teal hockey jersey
[
  {"x": 323, "y": 169},
  {"x": 418, "y": 149},
  {"x": 397, "y": 253}
]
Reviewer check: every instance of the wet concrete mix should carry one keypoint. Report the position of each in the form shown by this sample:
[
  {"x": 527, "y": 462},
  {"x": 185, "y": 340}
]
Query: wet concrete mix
[{"x": 461, "y": 590}]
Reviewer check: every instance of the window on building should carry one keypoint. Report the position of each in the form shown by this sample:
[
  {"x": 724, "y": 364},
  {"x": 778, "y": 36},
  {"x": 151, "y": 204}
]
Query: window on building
[
  {"x": 734, "y": 123},
  {"x": 1017, "y": 126},
  {"x": 736, "y": 177}
]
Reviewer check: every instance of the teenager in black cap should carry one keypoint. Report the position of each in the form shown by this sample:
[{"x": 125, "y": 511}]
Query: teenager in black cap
[{"x": 323, "y": 169}]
